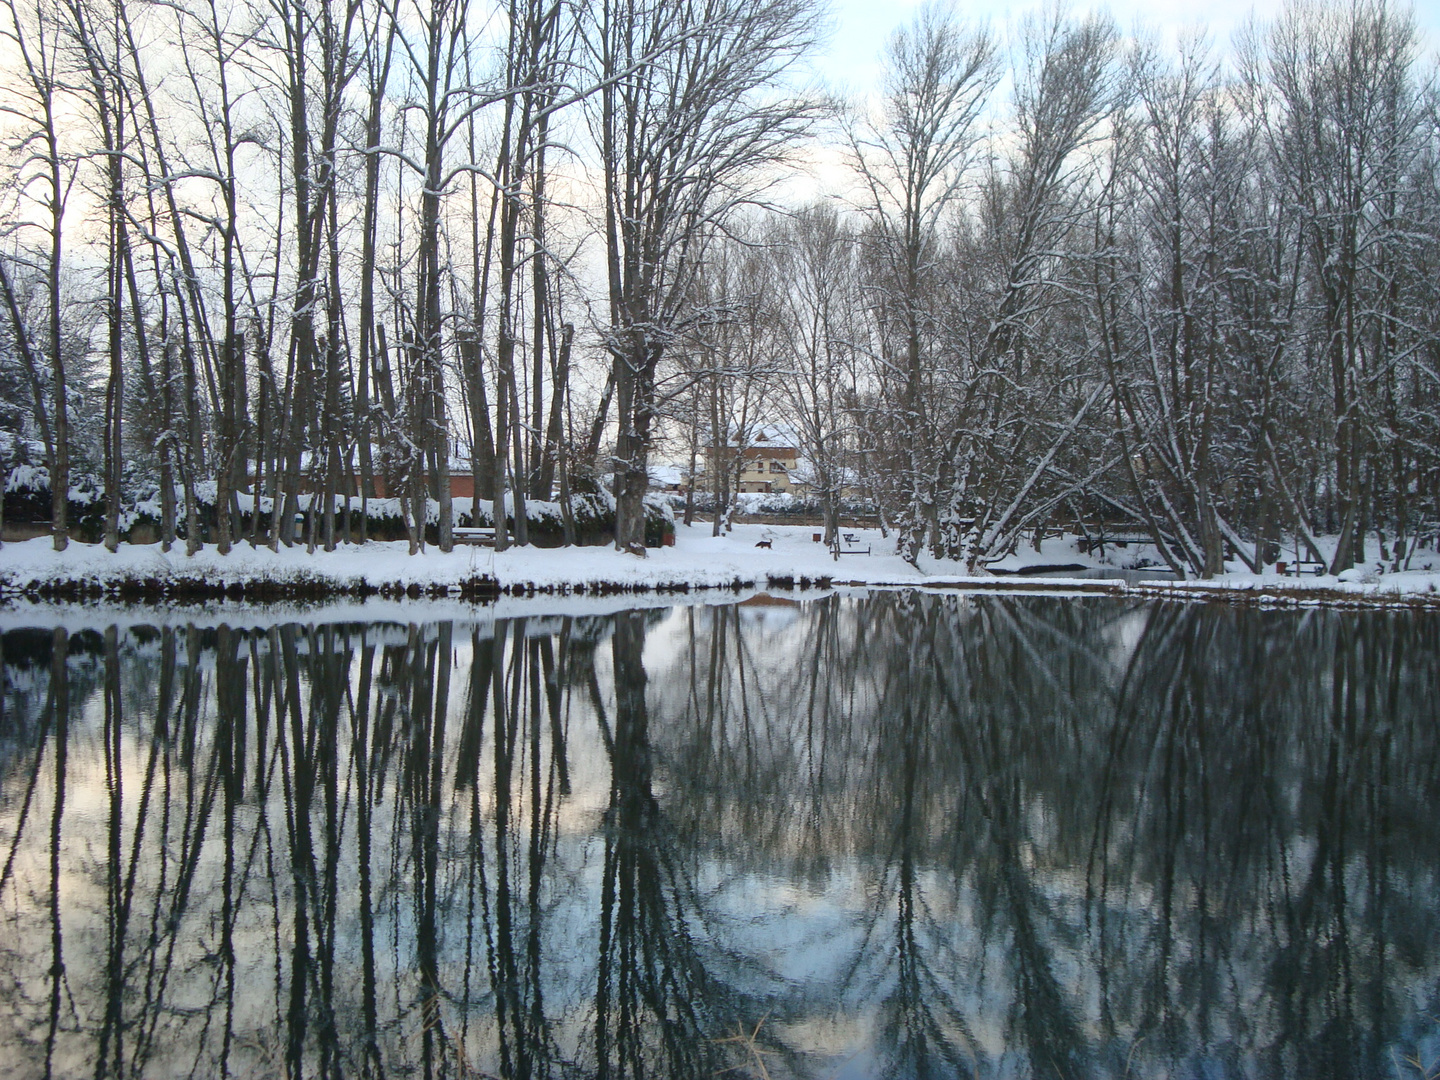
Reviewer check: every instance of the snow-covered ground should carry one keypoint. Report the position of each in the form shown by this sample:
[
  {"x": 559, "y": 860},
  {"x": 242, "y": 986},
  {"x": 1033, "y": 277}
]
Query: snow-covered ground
[{"x": 697, "y": 560}]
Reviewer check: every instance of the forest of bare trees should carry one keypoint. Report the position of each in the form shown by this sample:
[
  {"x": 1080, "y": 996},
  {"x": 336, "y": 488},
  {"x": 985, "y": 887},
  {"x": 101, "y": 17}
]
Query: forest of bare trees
[{"x": 313, "y": 271}]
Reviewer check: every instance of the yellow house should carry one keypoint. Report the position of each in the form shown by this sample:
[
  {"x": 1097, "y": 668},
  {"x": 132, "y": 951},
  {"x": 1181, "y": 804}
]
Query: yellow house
[{"x": 769, "y": 457}]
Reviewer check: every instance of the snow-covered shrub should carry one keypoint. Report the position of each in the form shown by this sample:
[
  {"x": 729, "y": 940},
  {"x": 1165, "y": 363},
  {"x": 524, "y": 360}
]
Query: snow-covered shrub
[
  {"x": 27, "y": 500},
  {"x": 593, "y": 514}
]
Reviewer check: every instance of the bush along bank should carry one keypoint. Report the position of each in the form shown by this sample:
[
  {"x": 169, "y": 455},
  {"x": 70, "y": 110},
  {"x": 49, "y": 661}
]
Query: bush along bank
[
  {"x": 592, "y": 517},
  {"x": 27, "y": 510}
]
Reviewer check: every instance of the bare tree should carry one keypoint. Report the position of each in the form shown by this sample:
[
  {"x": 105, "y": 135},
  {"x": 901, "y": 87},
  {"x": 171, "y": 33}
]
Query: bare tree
[
  {"x": 34, "y": 35},
  {"x": 819, "y": 296},
  {"x": 913, "y": 164},
  {"x": 727, "y": 374},
  {"x": 1345, "y": 134},
  {"x": 688, "y": 120},
  {"x": 1172, "y": 393}
]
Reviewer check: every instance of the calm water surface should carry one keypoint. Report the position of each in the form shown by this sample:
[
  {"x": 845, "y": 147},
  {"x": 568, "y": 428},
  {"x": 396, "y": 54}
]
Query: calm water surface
[{"x": 897, "y": 835}]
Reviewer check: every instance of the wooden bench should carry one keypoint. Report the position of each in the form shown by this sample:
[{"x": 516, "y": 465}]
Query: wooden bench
[
  {"x": 476, "y": 537},
  {"x": 1300, "y": 567},
  {"x": 849, "y": 544}
]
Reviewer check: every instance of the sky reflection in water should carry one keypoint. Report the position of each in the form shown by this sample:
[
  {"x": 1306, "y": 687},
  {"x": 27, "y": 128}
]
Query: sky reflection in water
[{"x": 902, "y": 835}]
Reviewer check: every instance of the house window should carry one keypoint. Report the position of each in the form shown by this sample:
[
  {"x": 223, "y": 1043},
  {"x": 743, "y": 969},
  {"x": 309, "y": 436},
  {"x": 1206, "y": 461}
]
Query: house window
[{"x": 776, "y": 467}]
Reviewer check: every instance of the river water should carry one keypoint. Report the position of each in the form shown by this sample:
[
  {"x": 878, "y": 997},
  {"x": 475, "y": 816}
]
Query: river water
[{"x": 894, "y": 835}]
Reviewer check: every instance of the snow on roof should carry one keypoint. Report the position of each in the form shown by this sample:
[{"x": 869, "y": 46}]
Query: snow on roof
[
  {"x": 777, "y": 436},
  {"x": 666, "y": 475},
  {"x": 763, "y": 437}
]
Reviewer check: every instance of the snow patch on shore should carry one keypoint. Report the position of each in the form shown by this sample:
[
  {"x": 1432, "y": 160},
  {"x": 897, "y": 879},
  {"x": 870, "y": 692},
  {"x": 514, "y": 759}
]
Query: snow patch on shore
[{"x": 697, "y": 559}]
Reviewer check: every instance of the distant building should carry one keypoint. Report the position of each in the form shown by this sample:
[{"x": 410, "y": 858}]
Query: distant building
[
  {"x": 770, "y": 455},
  {"x": 667, "y": 478}
]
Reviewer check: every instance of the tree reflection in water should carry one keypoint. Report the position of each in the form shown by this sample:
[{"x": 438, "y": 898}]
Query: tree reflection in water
[{"x": 905, "y": 835}]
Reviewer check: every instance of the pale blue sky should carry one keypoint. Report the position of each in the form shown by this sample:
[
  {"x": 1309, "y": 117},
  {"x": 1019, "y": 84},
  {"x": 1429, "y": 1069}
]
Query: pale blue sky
[{"x": 861, "y": 27}]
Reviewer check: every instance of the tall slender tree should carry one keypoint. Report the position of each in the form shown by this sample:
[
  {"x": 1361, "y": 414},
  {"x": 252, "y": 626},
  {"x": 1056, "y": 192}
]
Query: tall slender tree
[{"x": 689, "y": 123}]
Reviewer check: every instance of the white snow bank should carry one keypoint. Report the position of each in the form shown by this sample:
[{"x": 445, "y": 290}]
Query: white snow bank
[{"x": 698, "y": 559}]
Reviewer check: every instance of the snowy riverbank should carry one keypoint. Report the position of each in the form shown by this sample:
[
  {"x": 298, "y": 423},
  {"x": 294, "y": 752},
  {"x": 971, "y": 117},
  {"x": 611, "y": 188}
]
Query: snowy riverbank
[{"x": 697, "y": 561}]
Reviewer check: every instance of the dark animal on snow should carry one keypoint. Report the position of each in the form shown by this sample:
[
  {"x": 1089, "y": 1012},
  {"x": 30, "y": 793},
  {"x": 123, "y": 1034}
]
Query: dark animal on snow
[{"x": 763, "y": 543}]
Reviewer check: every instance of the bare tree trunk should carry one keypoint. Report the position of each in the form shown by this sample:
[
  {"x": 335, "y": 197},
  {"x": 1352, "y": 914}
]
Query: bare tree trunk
[
  {"x": 60, "y": 466},
  {"x": 555, "y": 426},
  {"x": 194, "y": 459},
  {"x": 168, "y": 448},
  {"x": 482, "y": 449},
  {"x": 378, "y": 69},
  {"x": 681, "y": 148}
]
